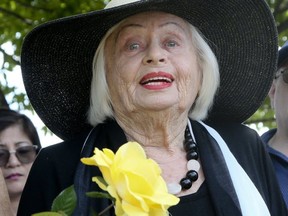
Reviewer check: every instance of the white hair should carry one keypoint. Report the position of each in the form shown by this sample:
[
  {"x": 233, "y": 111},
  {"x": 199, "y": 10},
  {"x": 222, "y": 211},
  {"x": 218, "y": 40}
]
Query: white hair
[
  {"x": 100, "y": 101},
  {"x": 210, "y": 76}
]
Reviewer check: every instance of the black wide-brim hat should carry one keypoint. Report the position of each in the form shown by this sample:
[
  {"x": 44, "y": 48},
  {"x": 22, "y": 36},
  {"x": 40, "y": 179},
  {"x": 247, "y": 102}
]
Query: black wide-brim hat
[{"x": 57, "y": 57}]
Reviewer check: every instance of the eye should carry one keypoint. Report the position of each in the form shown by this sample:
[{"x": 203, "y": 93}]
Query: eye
[
  {"x": 133, "y": 46},
  {"x": 171, "y": 44},
  {"x": 3, "y": 152},
  {"x": 23, "y": 150}
]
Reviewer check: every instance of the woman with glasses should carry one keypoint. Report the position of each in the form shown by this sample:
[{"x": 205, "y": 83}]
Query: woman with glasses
[
  {"x": 19, "y": 144},
  {"x": 277, "y": 139}
]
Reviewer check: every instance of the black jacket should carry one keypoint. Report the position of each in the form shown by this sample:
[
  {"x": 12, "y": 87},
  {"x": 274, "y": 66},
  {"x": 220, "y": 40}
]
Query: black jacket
[{"x": 55, "y": 166}]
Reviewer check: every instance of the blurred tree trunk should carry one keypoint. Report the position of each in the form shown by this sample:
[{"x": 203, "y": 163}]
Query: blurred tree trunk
[{"x": 3, "y": 101}]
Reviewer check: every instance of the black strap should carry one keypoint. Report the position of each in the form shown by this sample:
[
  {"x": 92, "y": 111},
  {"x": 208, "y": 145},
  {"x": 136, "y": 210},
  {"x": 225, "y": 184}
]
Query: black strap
[
  {"x": 82, "y": 177},
  {"x": 107, "y": 135}
]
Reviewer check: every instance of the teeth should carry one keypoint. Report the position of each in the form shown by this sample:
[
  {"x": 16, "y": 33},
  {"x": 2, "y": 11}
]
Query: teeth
[
  {"x": 157, "y": 79},
  {"x": 153, "y": 83}
]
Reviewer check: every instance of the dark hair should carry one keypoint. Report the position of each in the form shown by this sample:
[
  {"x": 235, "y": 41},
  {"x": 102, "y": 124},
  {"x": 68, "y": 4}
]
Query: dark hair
[
  {"x": 284, "y": 63},
  {"x": 10, "y": 117},
  {"x": 283, "y": 56}
]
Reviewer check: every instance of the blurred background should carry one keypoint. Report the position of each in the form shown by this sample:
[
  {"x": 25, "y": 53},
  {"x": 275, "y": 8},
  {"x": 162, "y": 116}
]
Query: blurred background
[{"x": 18, "y": 17}]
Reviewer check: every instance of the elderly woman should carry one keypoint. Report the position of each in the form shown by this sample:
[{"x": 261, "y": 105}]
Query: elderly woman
[
  {"x": 155, "y": 76},
  {"x": 19, "y": 144}
]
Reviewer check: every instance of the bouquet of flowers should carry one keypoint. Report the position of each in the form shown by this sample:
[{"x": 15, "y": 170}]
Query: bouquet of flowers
[{"x": 131, "y": 180}]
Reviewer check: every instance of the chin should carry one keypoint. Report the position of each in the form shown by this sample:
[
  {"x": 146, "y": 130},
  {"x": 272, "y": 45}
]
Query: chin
[{"x": 15, "y": 187}]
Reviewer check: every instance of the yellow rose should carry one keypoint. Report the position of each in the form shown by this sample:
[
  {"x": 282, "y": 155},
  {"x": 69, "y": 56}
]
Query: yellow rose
[{"x": 133, "y": 180}]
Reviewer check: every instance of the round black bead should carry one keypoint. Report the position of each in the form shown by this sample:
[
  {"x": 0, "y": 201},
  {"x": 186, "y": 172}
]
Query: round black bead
[
  {"x": 189, "y": 146},
  {"x": 187, "y": 134},
  {"x": 192, "y": 155},
  {"x": 192, "y": 175},
  {"x": 186, "y": 183}
]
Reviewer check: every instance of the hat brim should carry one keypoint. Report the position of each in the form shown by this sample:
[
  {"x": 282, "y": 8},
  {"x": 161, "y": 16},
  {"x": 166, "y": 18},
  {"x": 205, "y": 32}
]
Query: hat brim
[{"x": 57, "y": 58}]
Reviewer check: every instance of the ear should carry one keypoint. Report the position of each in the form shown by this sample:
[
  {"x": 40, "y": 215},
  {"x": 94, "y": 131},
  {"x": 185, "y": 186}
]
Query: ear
[{"x": 272, "y": 93}]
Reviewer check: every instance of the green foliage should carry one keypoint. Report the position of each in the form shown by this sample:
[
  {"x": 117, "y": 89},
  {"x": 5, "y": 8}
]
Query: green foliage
[
  {"x": 263, "y": 117},
  {"x": 65, "y": 201},
  {"x": 19, "y": 17},
  {"x": 49, "y": 214},
  {"x": 279, "y": 9},
  {"x": 63, "y": 205},
  {"x": 96, "y": 194}
]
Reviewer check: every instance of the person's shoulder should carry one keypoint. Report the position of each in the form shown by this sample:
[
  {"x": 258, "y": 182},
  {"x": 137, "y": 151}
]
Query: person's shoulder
[
  {"x": 232, "y": 129},
  {"x": 74, "y": 144},
  {"x": 243, "y": 141},
  {"x": 268, "y": 135},
  {"x": 238, "y": 136}
]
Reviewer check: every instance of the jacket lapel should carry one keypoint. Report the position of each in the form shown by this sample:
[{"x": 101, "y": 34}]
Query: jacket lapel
[
  {"x": 216, "y": 173},
  {"x": 107, "y": 135}
]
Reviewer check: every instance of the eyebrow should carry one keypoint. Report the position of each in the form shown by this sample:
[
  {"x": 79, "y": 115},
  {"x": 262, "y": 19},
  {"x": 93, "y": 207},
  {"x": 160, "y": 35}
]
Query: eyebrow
[
  {"x": 140, "y": 26},
  {"x": 173, "y": 23},
  {"x": 126, "y": 26},
  {"x": 16, "y": 143}
]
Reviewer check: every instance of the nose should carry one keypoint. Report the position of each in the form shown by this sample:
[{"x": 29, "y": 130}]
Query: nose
[
  {"x": 155, "y": 55},
  {"x": 13, "y": 161}
]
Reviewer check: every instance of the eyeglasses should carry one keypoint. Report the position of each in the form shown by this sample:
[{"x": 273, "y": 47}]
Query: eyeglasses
[
  {"x": 284, "y": 74},
  {"x": 25, "y": 154}
]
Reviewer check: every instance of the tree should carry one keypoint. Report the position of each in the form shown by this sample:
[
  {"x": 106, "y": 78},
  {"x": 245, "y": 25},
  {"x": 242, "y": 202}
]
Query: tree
[{"x": 18, "y": 17}]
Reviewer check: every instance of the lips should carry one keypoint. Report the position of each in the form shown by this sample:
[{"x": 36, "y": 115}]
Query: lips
[
  {"x": 13, "y": 176},
  {"x": 157, "y": 78}
]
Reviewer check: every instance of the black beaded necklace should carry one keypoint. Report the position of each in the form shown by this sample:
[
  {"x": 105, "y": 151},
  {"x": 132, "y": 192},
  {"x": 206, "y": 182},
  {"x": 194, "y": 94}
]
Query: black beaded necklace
[
  {"x": 191, "y": 154},
  {"x": 193, "y": 165}
]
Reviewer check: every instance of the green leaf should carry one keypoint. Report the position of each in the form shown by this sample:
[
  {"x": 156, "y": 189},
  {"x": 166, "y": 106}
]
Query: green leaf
[
  {"x": 96, "y": 194},
  {"x": 65, "y": 202},
  {"x": 101, "y": 179},
  {"x": 49, "y": 214}
]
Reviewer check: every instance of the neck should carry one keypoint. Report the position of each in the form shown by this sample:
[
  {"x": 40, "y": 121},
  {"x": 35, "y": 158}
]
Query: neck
[
  {"x": 14, "y": 204},
  {"x": 280, "y": 141},
  {"x": 158, "y": 129}
]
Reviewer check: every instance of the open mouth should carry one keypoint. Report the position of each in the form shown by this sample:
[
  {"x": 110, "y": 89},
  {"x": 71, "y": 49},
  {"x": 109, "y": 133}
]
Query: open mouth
[
  {"x": 156, "y": 81},
  {"x": 157, "y": 78}
]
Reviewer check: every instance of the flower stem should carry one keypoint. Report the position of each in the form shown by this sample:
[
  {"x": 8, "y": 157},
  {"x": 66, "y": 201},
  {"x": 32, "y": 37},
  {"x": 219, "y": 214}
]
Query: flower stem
[{"x": 106, "y": 209}]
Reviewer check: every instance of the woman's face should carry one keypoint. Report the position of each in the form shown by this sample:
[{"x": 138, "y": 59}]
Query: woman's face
[
  {"x": 15, "y": 173},
  {"x": 279, "y": 99},
  {"x": 151, "y": 64}
]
